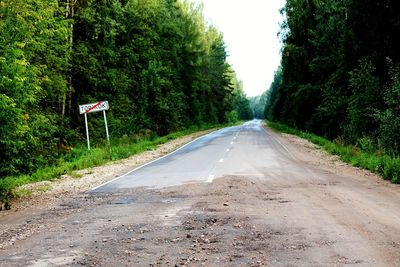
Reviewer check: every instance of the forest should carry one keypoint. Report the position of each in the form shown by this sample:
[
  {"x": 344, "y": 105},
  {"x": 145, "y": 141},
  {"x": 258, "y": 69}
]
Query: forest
[
  {"x": 340, "y": 74},
  {"x": 157, "y": 62},
  {"x": 257, "y": 105}
]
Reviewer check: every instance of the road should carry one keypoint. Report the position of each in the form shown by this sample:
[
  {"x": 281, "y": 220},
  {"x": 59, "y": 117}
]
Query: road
[
  {"x": 241, "y": 196},
  {"x": 244, "y": 150}
]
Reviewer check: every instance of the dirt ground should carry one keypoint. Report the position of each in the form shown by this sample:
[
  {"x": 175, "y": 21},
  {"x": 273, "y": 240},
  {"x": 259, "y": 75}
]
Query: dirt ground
[{"x": 330, "y": 215}]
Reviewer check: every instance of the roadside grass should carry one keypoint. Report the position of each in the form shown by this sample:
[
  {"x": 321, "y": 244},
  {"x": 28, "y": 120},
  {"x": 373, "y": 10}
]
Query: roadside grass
[
  {"x": 375, "y": 161},
  {"x": 81, "y": 158}
]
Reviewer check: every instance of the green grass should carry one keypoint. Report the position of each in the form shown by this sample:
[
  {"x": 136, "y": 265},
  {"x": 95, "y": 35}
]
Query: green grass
[
  {"x": 80, "y": 158},
  {"x": 23, "y": 192},
  {"x": 375, "y": 161}
]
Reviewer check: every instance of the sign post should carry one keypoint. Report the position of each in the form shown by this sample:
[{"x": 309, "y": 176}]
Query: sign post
[
  {"x": 87, "y": 132},
  {"x": 105, "y": 122},
  {"x": 95, "y": 107}
]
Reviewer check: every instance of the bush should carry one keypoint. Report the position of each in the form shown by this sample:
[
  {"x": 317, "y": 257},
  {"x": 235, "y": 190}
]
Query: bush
[
  {"x": 392, "y": 170},
  {"x": 232, "y": 116},
  {"x": 366, "y": 144}
]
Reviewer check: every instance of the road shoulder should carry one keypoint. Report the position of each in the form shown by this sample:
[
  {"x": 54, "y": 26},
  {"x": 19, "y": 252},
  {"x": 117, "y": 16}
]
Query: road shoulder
[
  {"x": 23, "y": 219},
  {"x": 313, "y": 155}
]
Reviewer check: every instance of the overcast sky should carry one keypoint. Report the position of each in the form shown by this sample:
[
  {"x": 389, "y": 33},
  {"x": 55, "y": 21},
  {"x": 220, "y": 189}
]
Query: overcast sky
[{"x": 250, "y": 29}]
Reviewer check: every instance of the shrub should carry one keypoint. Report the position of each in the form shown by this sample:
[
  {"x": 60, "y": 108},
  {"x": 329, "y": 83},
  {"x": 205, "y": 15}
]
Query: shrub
[{"x": 392, "y": 170}]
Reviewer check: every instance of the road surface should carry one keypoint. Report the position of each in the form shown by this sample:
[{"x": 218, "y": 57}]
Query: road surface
[
  {"x": 242, "y": 150},
  {"x": 241, "y": 196}
]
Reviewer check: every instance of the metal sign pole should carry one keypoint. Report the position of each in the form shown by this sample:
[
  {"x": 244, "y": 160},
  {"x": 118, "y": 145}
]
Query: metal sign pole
[
  {"x": 87, "y": 132},
  {"x": 105, "y": 122}
]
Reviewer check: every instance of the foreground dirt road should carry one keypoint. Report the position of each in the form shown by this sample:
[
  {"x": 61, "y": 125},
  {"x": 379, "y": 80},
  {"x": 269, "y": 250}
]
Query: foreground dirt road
[{"x": 309, "y": 209}]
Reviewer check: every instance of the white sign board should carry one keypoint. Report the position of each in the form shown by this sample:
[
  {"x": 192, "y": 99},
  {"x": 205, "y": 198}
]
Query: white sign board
[{"x": 94, "y": 107}]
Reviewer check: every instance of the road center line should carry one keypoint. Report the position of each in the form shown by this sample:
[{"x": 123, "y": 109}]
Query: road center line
[
  {"x": 227, "y": 150},
  {"x": 221, "y": 160},
  {"x": 232, "y": 143}
]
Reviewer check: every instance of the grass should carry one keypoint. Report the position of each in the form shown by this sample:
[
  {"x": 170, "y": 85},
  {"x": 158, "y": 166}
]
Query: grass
[
  {"x": 80, "y": 158},
  {"x": 44, "y": 188},
  {"x": 76, "y": 175},
  {"x": 23, "y": 192},
  {"x": 375, "y": 161}
]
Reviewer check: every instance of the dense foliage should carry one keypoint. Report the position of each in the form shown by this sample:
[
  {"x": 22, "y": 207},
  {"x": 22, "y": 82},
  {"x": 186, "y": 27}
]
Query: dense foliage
[
  {"x": 339, "y": 73},
  {"x": 257, "y": 104},
  {"x": 156, "y": 62}
]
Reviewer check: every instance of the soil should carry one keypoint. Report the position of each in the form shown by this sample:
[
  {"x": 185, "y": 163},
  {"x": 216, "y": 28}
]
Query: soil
[{"x": 335, "y": 215}]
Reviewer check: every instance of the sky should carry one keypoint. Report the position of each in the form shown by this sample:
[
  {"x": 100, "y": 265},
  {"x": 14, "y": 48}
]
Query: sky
[{"x": 250, "y": 29}]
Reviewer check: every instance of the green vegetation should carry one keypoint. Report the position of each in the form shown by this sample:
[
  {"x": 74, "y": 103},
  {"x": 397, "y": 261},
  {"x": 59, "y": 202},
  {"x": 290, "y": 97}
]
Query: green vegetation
[
  {"x": 340, "y": 76},
  {"x": 362, "y": 155},
  {"x": 257, "y": 104},
  {"x": 156, "y": 62},
  {"x": 81, "y": 158}
]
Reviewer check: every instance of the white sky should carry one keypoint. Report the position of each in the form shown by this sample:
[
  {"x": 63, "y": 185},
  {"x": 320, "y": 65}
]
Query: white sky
[{"x": 250, "y": 29}]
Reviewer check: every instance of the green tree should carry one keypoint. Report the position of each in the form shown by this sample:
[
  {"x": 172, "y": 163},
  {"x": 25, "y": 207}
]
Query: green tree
[
  {"x": 389, "y": 117},
  {"x": 273, "y": 98},
  {"x": 156, "y": 62},
  {"x": 363, "y": 103},
  {"x": 31, "y": 70},
  {"x": 334, "y": 68}
]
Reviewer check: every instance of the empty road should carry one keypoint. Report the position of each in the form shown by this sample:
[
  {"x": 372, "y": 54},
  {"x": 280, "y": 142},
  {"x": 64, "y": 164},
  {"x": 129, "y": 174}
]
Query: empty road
[
  {"x": 242, "y": 150},
  {"x": 240, "y": 196}
]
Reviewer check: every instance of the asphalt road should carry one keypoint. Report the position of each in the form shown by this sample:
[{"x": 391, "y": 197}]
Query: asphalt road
[
  {"x": 241, "y": 196},
  {"x": 240, "y": 150}
]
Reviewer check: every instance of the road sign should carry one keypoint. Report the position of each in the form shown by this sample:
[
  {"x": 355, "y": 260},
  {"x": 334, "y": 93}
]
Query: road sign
[{"x": 94, "y": 107}]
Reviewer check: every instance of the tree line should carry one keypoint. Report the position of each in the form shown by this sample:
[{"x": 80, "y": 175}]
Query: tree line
[
  {"x": 156, "y": 61},
  {"x": 257, "y": 105},
  {"x": 340, "y": 72}
]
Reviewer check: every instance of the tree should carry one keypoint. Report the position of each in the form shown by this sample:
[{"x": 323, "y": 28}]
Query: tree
[
  {"x": 32, "y": 73},
  {"x": 389, "y": 117},
  {"x": 157, "y": 63},
  {"x": 334, "y": 66}
]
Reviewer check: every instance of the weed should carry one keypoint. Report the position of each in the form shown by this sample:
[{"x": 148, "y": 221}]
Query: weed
[
  {"x": 76, "y": 175},
  {"x": 23, "y": 192},
  {"x": 44, "y": 188},
  {"x": 339, "y": 141}
]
